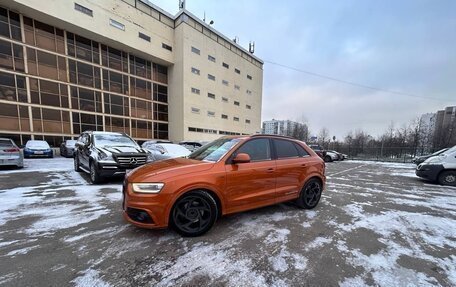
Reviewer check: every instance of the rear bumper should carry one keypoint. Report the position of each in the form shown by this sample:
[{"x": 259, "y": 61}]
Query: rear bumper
[
  {"x": 15, "y": 161},
  {"x": 429, "y": 171},
  {"x": 38, "y": 153}
]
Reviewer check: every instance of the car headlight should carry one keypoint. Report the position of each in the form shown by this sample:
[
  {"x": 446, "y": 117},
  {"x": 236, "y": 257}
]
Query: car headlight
[{"x": 147, "y": 187}]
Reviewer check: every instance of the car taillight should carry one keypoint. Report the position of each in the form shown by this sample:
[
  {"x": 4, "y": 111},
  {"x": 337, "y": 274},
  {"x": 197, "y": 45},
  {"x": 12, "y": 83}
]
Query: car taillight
[{"x": 11, "y": 150}]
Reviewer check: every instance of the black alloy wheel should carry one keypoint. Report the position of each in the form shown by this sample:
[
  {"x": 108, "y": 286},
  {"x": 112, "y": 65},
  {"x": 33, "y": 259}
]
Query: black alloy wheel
[
  {"x": 448, "y": 178},
  {"x": 194, "y": 213},
  {"x": 94, "y": 175},
  {"x": 76, "y": 163},
  {"x": 310, "y": 194}
]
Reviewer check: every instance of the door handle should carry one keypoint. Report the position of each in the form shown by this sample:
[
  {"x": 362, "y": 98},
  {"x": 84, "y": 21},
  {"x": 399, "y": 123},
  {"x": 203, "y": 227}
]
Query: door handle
[
  {"x": 269, "y": 170},
  {"x": 303, "y": 165}
]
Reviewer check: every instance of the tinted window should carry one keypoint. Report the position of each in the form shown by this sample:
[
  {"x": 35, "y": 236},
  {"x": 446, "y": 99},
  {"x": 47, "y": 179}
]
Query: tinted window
[
  {"x": 214, "y": 150},
  {"x": 285, "y": 149},
  {"x": 257, "y": 149},
  {"x": 301, "y": 150}
]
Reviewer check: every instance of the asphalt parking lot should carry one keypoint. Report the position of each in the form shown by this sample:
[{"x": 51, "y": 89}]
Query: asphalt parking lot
[{"x": 377, "y": 224}]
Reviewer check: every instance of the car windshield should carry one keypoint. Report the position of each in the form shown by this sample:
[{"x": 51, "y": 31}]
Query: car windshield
[
  {"x": 215, "y": 150},
  {"x": 449, "y": 151},
  {"x": 37, "y": 144},
  {"x": 113, "y": 140},
  {"x": 70, "y": 143},
  {"x": 6, "y": 143}
]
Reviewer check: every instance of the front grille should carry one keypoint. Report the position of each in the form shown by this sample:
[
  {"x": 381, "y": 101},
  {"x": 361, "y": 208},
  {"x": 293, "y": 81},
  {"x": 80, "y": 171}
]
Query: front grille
[{"x": 131, "y": 160}]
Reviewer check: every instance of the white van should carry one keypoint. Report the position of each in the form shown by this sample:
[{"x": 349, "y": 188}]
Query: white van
[{"x": 440, "y": 168}]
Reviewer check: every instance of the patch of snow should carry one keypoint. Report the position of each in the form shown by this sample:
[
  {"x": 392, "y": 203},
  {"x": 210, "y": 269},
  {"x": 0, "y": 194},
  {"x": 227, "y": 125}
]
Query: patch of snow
[
  {"x": 278, "y": 235},
  {"x": 318, "y": 242},
  {"x": 356, "y": 281},
  {"x": 22, "y": 251},
  {"x": 90, "y": 278}
]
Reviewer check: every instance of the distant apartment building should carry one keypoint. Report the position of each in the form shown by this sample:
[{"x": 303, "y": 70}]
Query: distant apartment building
[
  {"x": 426, "y": 131},
  {"x": 445, "y": 127},
  {"x": 124, "y": 66},
  {"x": 281, "y": 127}
]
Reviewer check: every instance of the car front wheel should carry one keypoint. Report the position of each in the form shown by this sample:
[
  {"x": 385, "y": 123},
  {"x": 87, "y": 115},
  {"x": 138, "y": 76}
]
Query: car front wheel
[
  {"x": 448, "y": 178},
  {"x": 194, "y": 213},
  {"x": 94, "y": 174},
  {"x": 327, "y": 158},
  {"x": 310, "y": 194},
  {"x": 76, "y": 164}
]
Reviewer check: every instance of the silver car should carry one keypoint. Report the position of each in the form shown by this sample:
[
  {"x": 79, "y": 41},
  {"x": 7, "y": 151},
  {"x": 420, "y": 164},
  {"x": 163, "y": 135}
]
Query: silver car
[
  {"x": 165, "y": 150},
  {"x": 10, "y": 153},
  {"x": 67, "y": 148}
]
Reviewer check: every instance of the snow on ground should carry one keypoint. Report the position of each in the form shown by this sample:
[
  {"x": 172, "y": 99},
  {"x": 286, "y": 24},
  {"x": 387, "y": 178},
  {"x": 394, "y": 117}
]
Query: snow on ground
[
  {"x": 376, "y": 225},
  {"x": 43, "y": 164}
]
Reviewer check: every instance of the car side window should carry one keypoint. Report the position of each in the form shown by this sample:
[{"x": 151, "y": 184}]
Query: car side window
[
  {"x": 285, "y": 149},
  {"x": 301, "y": 150},
  {"x": 257, "y": 149}
]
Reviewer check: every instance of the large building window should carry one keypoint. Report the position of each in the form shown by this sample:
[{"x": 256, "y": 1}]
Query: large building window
[
  {"x": 161, "y": 112},
  {"x": 116, "y": 105},
  {"x": 119, "y": 125},
  {"x": 160, "y": 93},
  {"x": 114, "y": 59},
  {"x": 115, "y": 82},
  {"x": 86, "y": 100},
  {"x": 140, "y": 67},
  {"x": 13, "y": 88},
  {"x": 84, "y": 74},
  {"x": 86, "y": 122},
  {"x": 44, "y": 36},
  {"x": 14, "y": 118},
  {"x": 50, "y": 120},
  {"x": 83, "y": 48},
  {"x": 11, "y": 56},
  {"x": 141, "y": 129},
  {"x": 48, "y": 93},
  {"x": 140, "y": 88},
  {"x": 10, "y": 25},
  {"x": 46, "y": 65},
  {"x": 160, "y": 73},
  {"x": 141, "y": 109},
  {"x": 160, "y": 131}
]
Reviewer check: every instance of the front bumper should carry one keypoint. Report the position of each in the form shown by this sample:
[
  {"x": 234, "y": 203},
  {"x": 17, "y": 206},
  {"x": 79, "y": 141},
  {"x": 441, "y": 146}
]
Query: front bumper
[
  {"x": 144, "y": 210},
  {"x": 36, "y": 153},
  {"x": 429, "y": 171}
]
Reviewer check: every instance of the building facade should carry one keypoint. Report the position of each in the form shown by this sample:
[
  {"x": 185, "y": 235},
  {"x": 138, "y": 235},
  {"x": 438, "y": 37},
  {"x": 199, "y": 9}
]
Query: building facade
[
  {"x": 445, "y": 127},
  {"x": 282, "y": 127},
  {"x": 121, "y": 65}
]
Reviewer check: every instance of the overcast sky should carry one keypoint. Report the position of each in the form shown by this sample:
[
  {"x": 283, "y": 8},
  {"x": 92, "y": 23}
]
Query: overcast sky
[{"x": 403, "y": 46}]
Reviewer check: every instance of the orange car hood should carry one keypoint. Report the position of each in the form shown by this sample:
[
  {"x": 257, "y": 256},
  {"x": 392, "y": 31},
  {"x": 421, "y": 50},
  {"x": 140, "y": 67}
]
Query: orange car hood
[{"x": 168, "y": 168}]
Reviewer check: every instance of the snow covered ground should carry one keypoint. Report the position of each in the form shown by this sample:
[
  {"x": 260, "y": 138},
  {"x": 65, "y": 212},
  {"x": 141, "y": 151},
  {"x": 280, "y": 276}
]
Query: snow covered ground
[{"x": 377, "y": 224}]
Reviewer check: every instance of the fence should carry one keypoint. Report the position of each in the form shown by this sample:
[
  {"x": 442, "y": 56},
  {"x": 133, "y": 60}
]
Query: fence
[{"x": 390, "y": 154}]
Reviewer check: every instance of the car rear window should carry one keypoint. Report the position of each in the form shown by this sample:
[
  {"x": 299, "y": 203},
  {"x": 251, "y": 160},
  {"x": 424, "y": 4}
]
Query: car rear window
[
  {"x": 6, "y": 143},
  {"x": 301, "y": 150},
  {"x": 285, "y": 149}
]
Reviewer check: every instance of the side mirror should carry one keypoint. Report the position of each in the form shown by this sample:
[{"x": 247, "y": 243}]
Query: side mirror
[{"x": 241, "y": 158}]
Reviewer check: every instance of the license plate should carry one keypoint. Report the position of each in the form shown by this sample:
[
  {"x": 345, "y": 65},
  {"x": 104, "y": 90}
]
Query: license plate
[{"x": 38, "y": 152}]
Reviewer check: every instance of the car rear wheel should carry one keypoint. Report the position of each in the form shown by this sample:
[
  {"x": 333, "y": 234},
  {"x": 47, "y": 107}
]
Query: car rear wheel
[
  {"x": 310, "y": 194},
  {"x": 76, "y": 164},
  {"x": 94, "y": 174},
  {"x": 194, "y": 213},
  {"x": 448, "y": 178}
]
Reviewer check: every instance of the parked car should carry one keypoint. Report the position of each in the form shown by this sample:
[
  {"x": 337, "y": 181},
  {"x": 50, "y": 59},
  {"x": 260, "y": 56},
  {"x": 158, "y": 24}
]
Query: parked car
[
  {"x": 420, "y": 159},
  {"x": 37, "y": 148},
  {"x": 191, "y": 146},
  {"x": 318, "y": 150},
  {"x": 331, "y": 156},
  {"x": 67, "y": 148},
  {"x": 165, "y": 150},
  {"x": 340, "y": 156},
  {"x": 440, "y": 168},
  {"x": 106, "y": 154},
  {"x": 10, "y": 153},
  {"x": 228, "y": 175}
]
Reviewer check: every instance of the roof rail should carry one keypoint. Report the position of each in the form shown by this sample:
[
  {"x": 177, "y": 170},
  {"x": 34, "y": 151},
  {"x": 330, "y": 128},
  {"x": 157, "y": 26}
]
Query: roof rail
[{"x": 280, "y": 136}]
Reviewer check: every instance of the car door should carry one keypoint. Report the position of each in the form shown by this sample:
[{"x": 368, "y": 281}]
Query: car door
[
  {"x": 292, "y": 166},
  {"x": 83, "y": 159},
  {"x": 250, "y": 185}
]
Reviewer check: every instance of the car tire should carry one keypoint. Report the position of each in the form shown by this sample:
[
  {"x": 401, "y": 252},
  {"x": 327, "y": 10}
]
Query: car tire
[
  {"x": 447, "y": 178},
  {"x": 94, "y": 174},
  {"x": 327, "y": 158},
  {"x": 310, "y": 194},
  {"x": 194, "y": 213},
  {"x": 76, "y": 164}
]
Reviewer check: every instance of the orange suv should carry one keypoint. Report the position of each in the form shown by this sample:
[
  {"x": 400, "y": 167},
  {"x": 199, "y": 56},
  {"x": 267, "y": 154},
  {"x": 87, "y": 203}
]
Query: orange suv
[{"x": 228, "y": 175}]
